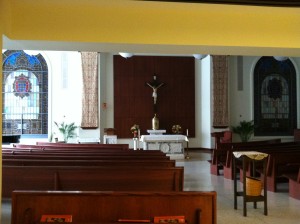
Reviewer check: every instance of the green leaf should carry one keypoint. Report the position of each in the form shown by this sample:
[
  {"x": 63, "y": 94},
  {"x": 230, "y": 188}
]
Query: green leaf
[
  {"x": 245, "y": 129},
  {"x": 67, "y": 130}
]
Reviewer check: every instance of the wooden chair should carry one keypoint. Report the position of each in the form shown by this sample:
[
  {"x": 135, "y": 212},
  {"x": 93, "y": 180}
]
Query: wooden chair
[
  {"x": 296, "y": 135},
  {"x": 227, "y": 137}
]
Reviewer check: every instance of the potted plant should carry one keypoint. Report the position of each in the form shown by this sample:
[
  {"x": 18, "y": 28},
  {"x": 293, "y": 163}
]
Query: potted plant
[
  {"x": 245, "y": 129},
  {"x": 67, "y": 130}
]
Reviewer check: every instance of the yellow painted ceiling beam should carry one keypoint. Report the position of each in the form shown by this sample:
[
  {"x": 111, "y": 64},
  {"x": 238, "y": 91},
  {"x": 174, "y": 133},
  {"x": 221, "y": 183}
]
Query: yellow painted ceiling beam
[{"x": 155, "y": 23}]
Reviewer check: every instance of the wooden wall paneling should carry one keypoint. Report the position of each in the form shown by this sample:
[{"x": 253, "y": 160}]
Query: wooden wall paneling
[
  {"x": 176, "y": 99},
  {"x": 123, "y": 92}
]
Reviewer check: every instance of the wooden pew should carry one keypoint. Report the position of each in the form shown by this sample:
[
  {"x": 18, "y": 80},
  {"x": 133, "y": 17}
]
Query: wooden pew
[
  {"x": 91, "y": 178},
  {"x": 89, "y": 169},
  {"x": 72, "y": 145},
  {"x": 294, "y": 181},
  {"x": 228, "y": 169},
  {"x": 51, "y": 157},
  {"x": 78, "y": 153},
  {"x": 81, "y": 162},
  {"x": 270, "y": 148},
  {"x": 128, "y": 157},
  {"x": 24, "y": 146},
  {"x": 9, "y": 150},
  {"x": 278, "y": 165},
  {"x": 54, "y": 144},
  {"x": 219, "y": 154},
  {"x": 109, "y": 207}
]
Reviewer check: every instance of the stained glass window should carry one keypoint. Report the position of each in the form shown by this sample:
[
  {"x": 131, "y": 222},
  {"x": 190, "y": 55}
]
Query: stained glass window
[
  {"x": 25, "y": 94},
  {"x": 275, "y": 109},
  {"x": 275, "y": 98}
]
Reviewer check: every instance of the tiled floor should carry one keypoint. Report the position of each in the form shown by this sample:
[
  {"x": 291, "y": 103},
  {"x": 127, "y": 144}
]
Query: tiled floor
[{"x": 281, "y": 208}]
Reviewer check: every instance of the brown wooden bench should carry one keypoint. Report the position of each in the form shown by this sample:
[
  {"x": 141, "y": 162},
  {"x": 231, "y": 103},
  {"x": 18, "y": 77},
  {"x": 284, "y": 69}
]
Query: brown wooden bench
[
  {"x": 109, "y": 207},
  {"x": 72, "y": 145},
  {"x": 91, "y": 178},
  {"x": 294, "y": 181},
  {"x": 93, "y": 162},
  {"x": 228, "y": 169},
  {"x": 278, "y": 163},
  {"x": 219, "y": 154},
  {"x": 278, "y": 167},
  {"x": 86, "y": 154},
  {"x": 128, "y": 157},
  {"x": 82, "y": 169},
  {"x": 9, "y": 150},
  {"x": 36, "y": 157}
]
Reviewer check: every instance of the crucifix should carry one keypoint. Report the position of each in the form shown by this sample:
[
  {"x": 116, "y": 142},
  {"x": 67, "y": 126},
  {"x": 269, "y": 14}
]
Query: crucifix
[{"x": 155, "y": 85}]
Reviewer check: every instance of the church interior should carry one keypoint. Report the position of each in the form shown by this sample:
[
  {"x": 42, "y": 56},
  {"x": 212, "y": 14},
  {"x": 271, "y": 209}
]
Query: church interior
[{"x": 137, "y": 82}]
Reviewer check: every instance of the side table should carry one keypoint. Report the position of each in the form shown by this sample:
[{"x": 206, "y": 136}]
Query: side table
[{"x": 250, "y": 158}]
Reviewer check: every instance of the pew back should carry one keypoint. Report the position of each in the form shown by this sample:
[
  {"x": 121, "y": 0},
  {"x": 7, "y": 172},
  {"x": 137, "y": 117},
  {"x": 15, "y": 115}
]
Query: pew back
[
  {"x": 108, "y": 207},
  {"x": 91, "y": 178},
  {"x": 72, "y": 145},
  {"x": 89, "y": 162}
]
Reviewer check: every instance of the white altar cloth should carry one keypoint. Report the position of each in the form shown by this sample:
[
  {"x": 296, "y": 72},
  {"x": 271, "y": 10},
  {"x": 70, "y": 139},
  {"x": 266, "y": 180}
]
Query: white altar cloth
[
  {"x": 156, "y": 132},
  {"x": 172, "y": 145},
  {"x": 164, "y": 138}
]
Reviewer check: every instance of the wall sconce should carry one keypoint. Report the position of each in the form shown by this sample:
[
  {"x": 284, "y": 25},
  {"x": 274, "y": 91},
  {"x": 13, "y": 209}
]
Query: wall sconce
[
  {"x": 199, "y": 56},
  {"x": 280, "y": 58},
  {"x": 126, "y": 55}
]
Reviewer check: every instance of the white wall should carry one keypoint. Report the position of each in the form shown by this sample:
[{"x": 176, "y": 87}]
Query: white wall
[
  {"x": 65, "y": 101},
  {"x": 65, "y": 92},
  {"x": 203, "y": 104},
  {"x": 241, "y": 101}
]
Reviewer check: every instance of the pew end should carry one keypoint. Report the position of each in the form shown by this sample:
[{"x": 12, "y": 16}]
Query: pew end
[{"x": 294, "y": 182}]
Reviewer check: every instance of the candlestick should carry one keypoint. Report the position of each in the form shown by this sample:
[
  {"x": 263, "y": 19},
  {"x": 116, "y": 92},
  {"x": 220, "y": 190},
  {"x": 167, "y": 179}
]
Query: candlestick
[
  {"x": 138, "y": 140},
  {"x": 134, "y": 144}
]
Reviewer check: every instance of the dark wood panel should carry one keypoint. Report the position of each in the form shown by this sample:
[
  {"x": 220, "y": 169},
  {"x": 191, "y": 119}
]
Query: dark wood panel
[{"x": 133, "y": 101}]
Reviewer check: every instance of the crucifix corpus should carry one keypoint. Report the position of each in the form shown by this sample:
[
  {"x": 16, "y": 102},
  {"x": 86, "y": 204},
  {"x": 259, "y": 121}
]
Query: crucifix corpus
[{"x": 155, "y": 85}]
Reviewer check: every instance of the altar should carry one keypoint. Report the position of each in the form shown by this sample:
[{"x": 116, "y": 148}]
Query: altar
[{"x": 172, "y": 145}]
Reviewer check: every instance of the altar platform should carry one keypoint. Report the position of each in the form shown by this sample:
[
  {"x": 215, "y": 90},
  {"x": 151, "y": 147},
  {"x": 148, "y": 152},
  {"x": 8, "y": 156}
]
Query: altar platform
[{"x": 172, "y": 145}]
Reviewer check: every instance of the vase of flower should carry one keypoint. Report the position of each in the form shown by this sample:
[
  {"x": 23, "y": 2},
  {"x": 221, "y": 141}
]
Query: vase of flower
[{"x": 135, "y": 130}]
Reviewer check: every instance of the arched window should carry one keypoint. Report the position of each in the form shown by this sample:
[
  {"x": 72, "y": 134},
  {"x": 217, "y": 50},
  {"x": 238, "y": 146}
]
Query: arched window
[
  {"x": 25, "y": 94},
  {"x": 275, "y": 109}
]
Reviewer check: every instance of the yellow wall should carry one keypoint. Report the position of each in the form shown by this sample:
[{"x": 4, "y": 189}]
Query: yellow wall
[
  {"x": 1, "y": 119},
  {"x": 128, "y": 21},
  {"x": 4, "y": 28}
]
